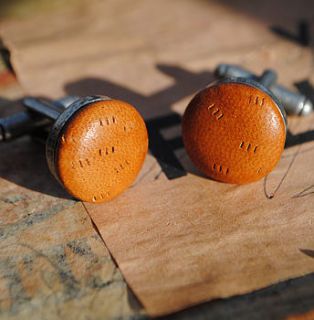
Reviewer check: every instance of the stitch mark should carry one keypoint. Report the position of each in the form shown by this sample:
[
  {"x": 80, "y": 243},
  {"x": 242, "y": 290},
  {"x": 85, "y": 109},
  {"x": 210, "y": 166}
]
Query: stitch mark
[
  {"x": 247, "y": 147},
  {"x": 81, "y": 163},
  {"x": 218, "y": 168},
  {"x": 108, "y": 151},
  {"x": 258, "y": 100},
  {"x": 88, "y": 162},
  {"x": 215, "y": 112},
  {"x": 104, "y": 195},
  {"x": 108, "y": 120},
  {"x": 122, "y": 167},
  {"x": 101, "y": 196}
]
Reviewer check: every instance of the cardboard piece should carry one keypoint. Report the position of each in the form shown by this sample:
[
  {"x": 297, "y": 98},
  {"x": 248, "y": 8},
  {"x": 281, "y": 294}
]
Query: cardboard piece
[{"x": 189, "y": 240}]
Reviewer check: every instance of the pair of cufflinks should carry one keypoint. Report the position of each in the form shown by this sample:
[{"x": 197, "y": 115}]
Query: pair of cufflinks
[{"x": 234, "y": 131}]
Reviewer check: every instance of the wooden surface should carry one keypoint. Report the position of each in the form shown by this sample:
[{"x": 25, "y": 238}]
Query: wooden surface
[
  {"x": 188, "y": 240},
  {"x": 53, "y": 262}
]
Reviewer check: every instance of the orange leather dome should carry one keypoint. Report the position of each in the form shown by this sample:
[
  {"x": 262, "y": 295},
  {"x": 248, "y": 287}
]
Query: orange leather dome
[
  {"x": 234, "y": 132},
  {"x": 101, "y": 150}
]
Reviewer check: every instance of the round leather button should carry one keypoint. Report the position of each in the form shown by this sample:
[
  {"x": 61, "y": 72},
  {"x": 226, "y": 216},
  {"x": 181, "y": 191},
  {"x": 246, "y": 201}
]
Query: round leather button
[
  {"x": 100, "y": 150},
  {"x": 234, "y": 132}
]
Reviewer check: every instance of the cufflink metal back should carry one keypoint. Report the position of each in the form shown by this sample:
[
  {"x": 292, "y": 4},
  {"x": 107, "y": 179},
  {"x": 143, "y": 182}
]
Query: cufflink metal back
[
  {"x": 235, "y": 129},
  {"x": 96, "y": 146}
]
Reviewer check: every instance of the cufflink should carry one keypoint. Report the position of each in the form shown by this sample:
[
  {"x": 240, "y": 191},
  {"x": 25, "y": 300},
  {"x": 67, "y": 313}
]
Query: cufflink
[
  {"x": 96, "y": 145},
  {"x": 234, "y": 130}
]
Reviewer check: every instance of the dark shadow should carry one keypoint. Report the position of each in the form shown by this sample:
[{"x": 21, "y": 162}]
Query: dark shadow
[
  {"x": 157, "y": 104},
  {"x": 9, "y": 107},
  {"x": 308, "y": 252},
  {"x": 294, "y": 140},
  {"x": 306, "y": 88},
  {"x": 301, "y": 36},
  {"x": 277, "y": 301},
  {"x": 288, "y": 19},
  {"x": 23, "y": 160},
  {"x": 155, "y": 108},
  {"x": 133, "y": 302},
  {"x": 6, "y": 57}
]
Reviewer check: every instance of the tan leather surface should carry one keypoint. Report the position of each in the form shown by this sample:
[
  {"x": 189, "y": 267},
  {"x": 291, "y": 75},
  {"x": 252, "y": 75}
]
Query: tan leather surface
[
  {"x": 102, "y": 149},
  {"x": 233, "y": 132}
]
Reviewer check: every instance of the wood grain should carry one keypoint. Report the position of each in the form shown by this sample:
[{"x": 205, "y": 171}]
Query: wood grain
[{"x": 186, "y": 241}]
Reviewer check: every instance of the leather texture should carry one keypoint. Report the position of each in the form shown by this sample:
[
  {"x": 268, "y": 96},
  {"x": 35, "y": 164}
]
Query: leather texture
[
  {"x": 233, "y": 132},
  {"x": 101, "y": 150}
]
